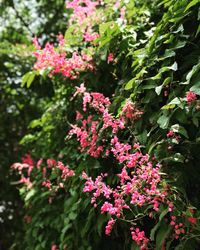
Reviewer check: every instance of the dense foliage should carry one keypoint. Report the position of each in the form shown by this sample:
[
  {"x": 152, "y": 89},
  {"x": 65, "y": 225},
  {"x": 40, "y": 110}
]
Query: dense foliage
[{"x": 112, "y": 150}]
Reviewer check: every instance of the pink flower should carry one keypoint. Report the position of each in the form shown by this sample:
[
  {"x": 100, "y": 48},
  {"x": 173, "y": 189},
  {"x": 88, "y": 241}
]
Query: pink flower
[
  {"x": 61, "y": 39},
  {"x": 28, "y": 159},
  {"x": 36, "y": 44},
  {"x": 55, "y": 60},
  {"x": 191, "y": 97},
  {"x": 26, "y": 181},
  {"x": 88, "y": 37},
  {"x": 80, "y": 90},
  {"x": 122, "y": 13},
  {"x": 51, "y": 162},
  {"x": 192, "y": 220},
  {"x": 39, "y": 163},
  {"x": 109, "y": 226},
  {"x": 82, "y": 9},
  {"x": 140, "y": 238},
  {"x": 110, "y": 57},
  {"x": 131, "y": 111},
  {"x": 78, "y": 115},
  {"x": 47, "y": 184},
  {"x": 170, "y": 134},
  {"x": 54, "y": 247}
]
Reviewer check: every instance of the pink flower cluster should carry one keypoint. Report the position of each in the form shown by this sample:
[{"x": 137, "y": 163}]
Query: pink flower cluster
[
  {"x": 55, "y": 60},
  {"x": 131, "y": 111},
  {"x": 110, "y": 57},
  {"x": 82, "y": 9},
  {"x": 178, "y": 227},
  {"x": 140, "y": 238},
  {"x": 139, "y": 182},
  {"x": 170, "y": 134},
  {"x": 109, "y": 226},
  {"x": 85, "y": 16},
  {"x": 191, "y": 97},
  {"x": 88, "y": 131},
  {"x": 27, "y": 166},
  {"x": 63, "y": 172},
  {"x": 54, "y": 247}
]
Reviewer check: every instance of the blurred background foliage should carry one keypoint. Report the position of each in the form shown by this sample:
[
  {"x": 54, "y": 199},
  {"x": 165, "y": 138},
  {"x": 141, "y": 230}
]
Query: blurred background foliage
[{"x": 20, "y": 21}]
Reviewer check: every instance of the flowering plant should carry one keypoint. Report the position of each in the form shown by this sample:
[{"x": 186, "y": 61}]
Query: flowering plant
[{"x": 130, "y": 116}]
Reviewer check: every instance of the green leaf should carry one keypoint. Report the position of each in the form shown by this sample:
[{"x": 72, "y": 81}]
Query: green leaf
[
  {"x": 167, "y": 81},
  {"x": 179, "y": 129},
  {"x": 27, "y": 139},
  {"x": 100, "y": 223},
  {"x": 134, "y": 246},
  {"x": 196, "y": 88},
  {"x": 35, "y": 123},
  {"x": 162, "y": 215},
  {"x": 104, "y": 27},
  {"x": 153, "y": 231},
  {"x": 168, "y": 53},
  {"x": 163, "y": 121},
  {"x": 174, "y": 67},
  {"x": 198, "y": 30},
  {"x": 155, "y": 228},
  {"x": 25, "y": 78},
  {"x": 72, "y": 216},
  {"x": 172, "y": 104},
  {"x": 178, "y": 158},
  {"x": 129, "y": 84},
  {"x": 28, "y": 78},
  {"x": 158, "y": 89},
  {"x": 191, "y": 4},
  {"x": 162, "y": 235},
  {"x": 142, "y": 138},
  {"x": 30, "y": 194},
  {"x": 192, "y": 72},
  {"x": 66, "y": 227},
  {"x": 195, "y": 121}
]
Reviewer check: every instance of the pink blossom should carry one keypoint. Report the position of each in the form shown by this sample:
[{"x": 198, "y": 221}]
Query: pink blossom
[
  {"x": 78, "y": 116},
  {"x": 39, "y": 163},
  {"x": 86, "y": 99},
  {"x": 61, "y": 39},
  {"x": 192, "y": 220},
  {"x": 56, "y": 61},
  {"x": 26, "y": 181},
  {"x": 47, "y": 184},
  {"x": 66, "y": 172},
  {"x": 122, "y": 13},
  {"x": 140, "y": 238},
  {"x": 109, "y": 226},
  {"x": 36, "y": 43},
  {"x": 28, "y": 159},
  {"x": 130, "y": 111},
  {"x": 170, "y": 134},
  {"x": 51, "y": 162},
  {"x": 110, "y": 57},
  {"x": 54, "y": 247},
  {"x": 191, "y": 97},
  {"x": 80, "y": 90},
  {"x": 82, "y": 9},
  {"x": 88, "y": 37}
]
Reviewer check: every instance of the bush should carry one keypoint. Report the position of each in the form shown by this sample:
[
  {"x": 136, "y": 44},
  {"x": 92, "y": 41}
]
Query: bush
[{"x": 117, "y": 146}]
